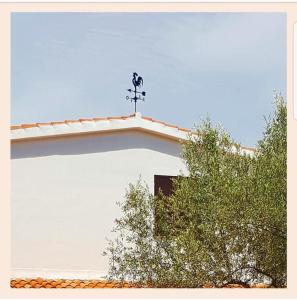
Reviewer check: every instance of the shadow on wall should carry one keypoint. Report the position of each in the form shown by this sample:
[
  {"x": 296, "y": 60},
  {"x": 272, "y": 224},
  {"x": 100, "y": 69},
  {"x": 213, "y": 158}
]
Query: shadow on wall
[{"x": 94, "y": 143}]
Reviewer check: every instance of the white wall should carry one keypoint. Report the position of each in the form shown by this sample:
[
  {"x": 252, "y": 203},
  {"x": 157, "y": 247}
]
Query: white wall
[{"x": 64, "y": 193}]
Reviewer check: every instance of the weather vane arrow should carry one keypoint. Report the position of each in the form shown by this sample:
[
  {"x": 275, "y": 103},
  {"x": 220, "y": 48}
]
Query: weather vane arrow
[{"x": 137, "y": 82}]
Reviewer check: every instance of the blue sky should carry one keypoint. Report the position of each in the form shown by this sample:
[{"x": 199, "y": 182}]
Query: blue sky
[{"x": 194, "y": 65}]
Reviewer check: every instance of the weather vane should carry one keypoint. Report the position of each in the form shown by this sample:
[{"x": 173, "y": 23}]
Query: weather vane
[{"x": 137, "y": 82}]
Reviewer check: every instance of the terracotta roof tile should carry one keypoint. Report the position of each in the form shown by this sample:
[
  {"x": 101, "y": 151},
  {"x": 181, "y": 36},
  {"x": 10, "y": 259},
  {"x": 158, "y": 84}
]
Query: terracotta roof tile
[
  {"x": 28, "y": 125},
  {"x": 260, "y": 286},
  {"x": 66, "y": 283},
  {"x": 116, "y": 118},
  {"x": 72, "y": 121},
  {"x": 157, "y": 121},
  {"x": 100, "y": 119},
  {"x": 14, "y": 127},
  {"x": 43, "y": 124},
  {"x": 231, "y": 286},
  {"x": 76, "y": 283},
  {"x": 88, "y": 120},
  {"x": 147, "y": 118},
  {"x": 184, "y": 129},
  {"x": 57, "y": 123}
]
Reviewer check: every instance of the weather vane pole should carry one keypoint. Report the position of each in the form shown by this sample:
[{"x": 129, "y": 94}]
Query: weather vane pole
[{"x": 137, "y": 82}]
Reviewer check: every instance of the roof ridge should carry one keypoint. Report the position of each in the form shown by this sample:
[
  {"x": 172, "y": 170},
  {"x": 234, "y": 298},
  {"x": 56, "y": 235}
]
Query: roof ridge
[
  {"x": 98, "y": 119},
  {"x": 95, "y": 119},
  {"x": 38, "y": 124}
]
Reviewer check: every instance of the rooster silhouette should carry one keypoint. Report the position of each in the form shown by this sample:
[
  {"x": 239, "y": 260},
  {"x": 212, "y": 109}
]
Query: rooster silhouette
[{"x": 137, "y": 80}]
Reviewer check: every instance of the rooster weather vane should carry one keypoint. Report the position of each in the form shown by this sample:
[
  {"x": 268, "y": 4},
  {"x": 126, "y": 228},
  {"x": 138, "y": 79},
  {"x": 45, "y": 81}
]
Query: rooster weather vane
[{"x": 137, "y": 82}]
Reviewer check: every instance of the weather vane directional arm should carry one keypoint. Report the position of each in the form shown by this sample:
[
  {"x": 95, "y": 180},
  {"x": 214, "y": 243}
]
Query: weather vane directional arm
[{"x": 137, "y": 82}]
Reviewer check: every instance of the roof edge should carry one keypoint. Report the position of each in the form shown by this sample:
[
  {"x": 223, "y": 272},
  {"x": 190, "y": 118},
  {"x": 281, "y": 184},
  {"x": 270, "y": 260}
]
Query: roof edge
[{"x": 101, "y": 124}]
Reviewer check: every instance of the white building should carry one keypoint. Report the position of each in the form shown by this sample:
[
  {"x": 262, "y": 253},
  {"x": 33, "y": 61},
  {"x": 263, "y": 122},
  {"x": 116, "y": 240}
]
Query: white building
[{"x": 66, "y": 179}]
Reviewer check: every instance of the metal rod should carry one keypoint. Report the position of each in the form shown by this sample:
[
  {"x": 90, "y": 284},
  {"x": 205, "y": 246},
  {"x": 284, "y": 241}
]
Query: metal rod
[{"x": 135, "y": 101}]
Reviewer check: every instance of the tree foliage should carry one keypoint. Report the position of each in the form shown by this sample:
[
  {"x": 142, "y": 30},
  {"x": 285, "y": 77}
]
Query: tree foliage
[{"x": 224, "y": 223}]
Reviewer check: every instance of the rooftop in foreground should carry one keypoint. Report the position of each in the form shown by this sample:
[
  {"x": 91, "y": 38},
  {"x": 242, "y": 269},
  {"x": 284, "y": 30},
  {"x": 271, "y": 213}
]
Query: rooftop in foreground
[
  {"x": 38, "y": 283},
  {"x": 101, "y": 125}
]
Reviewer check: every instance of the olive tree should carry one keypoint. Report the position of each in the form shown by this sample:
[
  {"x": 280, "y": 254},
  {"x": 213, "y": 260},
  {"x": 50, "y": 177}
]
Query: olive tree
[{"x": 224, "y": 223}]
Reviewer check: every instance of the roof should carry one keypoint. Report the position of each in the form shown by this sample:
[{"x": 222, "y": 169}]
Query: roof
[
  {"x": 70, "y": 127},
  {"x": 88, "y": 284},
  {"x": 101, "y": 125},
  {"x": 66, "y": 283}
]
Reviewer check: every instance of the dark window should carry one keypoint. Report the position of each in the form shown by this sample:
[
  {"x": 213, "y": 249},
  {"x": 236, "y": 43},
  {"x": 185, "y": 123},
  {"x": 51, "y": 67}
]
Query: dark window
[
  {"x": 167, "y": 219},
  {"x": 163, "y": 211},
  {"x": 163, "y": 183}
]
